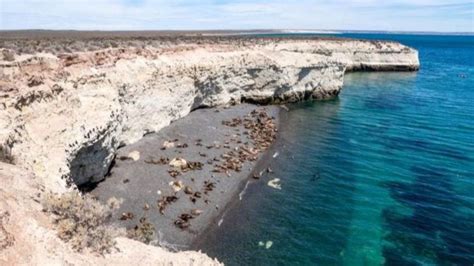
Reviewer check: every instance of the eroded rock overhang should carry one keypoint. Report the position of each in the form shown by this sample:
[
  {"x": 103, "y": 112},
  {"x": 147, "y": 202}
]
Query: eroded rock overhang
[{"x": 64, "y": 116}]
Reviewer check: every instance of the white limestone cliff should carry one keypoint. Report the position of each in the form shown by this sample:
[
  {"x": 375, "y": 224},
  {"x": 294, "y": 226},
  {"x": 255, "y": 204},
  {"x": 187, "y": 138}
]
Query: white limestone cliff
[
  {"x": 65, "y": 116},
  {"x": 62, "y": 117}
]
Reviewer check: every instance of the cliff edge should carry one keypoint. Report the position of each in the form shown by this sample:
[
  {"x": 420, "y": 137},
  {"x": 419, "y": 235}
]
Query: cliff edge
[{"x": 64, "y": 115}]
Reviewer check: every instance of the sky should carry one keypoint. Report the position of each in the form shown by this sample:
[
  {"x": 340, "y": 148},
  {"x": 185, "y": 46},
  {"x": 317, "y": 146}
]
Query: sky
[{"x": 388, "y": 15}]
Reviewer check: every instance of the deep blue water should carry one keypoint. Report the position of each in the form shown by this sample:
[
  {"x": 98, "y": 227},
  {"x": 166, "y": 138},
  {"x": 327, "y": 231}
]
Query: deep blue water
[{"x": 382, "y": 175}]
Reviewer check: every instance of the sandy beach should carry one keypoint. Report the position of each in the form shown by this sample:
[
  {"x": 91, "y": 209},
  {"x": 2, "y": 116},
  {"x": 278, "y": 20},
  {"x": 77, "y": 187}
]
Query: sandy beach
[{"x": 181, "y": 204}]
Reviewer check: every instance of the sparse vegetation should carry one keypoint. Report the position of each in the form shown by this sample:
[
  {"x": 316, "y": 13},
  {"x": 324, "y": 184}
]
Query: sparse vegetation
[
  {"x": 58, "y": 42},
  {"x": 82, "y": 221},
  {"x": 6, "y": 239},
  {"x": 6, "y": 154},
  {"x": 143, "y": 232},
  {"x": 8, "y": 55}
]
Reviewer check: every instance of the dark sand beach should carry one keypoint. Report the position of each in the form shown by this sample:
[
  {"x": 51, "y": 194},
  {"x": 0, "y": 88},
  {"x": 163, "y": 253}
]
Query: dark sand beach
[{"x": 183, "y": 203}]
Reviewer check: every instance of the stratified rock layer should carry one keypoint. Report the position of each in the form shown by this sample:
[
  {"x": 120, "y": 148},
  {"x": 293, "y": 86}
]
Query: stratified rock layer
[
  {"x": 62, "y": 117},
  {"x": 65, "y": 116}
]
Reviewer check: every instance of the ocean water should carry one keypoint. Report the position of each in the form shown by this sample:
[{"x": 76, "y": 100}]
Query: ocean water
[{"x": 383, "y": 175}]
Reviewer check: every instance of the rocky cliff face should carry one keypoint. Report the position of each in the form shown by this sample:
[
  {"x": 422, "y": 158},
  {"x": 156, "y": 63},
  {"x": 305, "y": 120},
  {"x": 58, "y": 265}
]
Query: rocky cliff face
[{"x": 63, "y": 116}]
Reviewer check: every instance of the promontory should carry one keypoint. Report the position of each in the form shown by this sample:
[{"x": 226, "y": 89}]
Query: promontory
[{"x": 69, "y": 102}]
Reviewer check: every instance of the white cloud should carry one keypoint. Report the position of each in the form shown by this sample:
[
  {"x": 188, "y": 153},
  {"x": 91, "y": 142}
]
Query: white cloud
[{"x": 435, "y": 15}]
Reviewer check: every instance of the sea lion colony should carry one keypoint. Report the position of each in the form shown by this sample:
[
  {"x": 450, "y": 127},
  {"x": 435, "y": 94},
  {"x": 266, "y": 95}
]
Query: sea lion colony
[{"x": 259, "y": 127}]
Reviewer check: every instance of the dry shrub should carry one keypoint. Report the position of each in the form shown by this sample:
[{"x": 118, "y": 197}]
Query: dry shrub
[
  {"x": 143, "y": 232},
  {"x": 8, "y": 55},
  {"x": 6, "y": 239},
  {"x": 82, "y": 221},
  {"x": 6, "y": 154}
]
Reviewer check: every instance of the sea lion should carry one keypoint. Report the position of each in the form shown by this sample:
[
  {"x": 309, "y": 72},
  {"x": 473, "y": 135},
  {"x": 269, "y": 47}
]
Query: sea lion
[
  {"x": 170, "y": 199},
  {"x": 196, "y": 212},
  {"x": 173, "y": 173},
  {"x": 186, "y": 217},
  {"x": 126, "y": 216},
  {"x": 181, "y": 224},
  {"x": 182, "y": 146},
  {"x": 315, "y": 177},
  {"x": 162, "y": 210},
  {"x": 188, "y": 190},
  {"x": 194, "y": 165}
]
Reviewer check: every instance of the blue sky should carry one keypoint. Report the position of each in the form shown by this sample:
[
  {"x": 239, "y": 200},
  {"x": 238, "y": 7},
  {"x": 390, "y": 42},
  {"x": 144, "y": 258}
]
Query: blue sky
[{"x": 394, "y": 15}]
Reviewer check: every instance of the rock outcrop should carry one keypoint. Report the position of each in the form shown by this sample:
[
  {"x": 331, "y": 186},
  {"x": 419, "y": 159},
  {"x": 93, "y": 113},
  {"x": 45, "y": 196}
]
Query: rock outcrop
[{"x": 62, "y": 117}]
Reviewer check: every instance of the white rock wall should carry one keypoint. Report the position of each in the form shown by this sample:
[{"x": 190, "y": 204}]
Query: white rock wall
[{"x": 71, "y": 124}]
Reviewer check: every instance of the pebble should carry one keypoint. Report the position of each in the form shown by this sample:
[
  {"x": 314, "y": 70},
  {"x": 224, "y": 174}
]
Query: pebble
[{"x": 134, "y": 155}]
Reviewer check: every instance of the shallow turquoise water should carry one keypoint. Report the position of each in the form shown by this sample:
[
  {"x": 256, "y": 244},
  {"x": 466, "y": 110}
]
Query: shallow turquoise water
[{"x": 382, "y": 175}]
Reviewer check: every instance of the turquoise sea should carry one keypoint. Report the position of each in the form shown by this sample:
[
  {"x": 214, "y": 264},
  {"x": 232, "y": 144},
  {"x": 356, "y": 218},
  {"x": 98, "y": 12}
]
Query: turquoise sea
[{"x": 383, "y": 175}]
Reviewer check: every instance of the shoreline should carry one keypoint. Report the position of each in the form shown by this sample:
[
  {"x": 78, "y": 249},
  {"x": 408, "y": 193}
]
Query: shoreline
[
  {"x": 68, "y": 108},
  {"x": 143, "y": 180},
  {"x": 263, "y": 163}
]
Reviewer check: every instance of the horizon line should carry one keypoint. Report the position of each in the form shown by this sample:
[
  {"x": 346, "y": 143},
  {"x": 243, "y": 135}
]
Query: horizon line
[{"x": 308, "y": 31}]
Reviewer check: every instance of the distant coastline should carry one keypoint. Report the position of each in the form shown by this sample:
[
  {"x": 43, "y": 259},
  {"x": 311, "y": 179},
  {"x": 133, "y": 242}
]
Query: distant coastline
[{"x": 39, "y": 33}]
